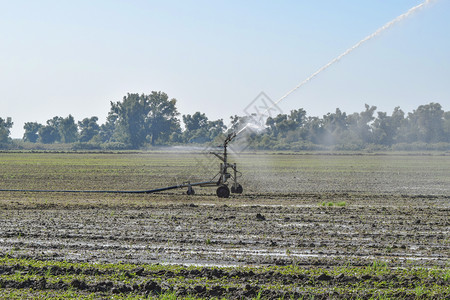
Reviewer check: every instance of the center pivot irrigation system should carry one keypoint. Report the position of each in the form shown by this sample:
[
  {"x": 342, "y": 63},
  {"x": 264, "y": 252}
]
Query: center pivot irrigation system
[{"x": 219, "y": 180}]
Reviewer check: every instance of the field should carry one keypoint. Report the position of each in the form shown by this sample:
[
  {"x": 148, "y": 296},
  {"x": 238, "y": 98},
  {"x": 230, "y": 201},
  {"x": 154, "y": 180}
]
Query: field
[{"x": 307, "y": 226}]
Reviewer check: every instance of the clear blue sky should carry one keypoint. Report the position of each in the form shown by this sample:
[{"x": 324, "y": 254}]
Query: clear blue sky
[{"x": 74, "y": 57}]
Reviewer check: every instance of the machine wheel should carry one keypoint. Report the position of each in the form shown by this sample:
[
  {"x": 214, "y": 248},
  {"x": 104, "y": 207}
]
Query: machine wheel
[
  {"x": 223, "y": 191},
  {"x": 238, "y": 189},
  {"x": 190, "y": 191}
]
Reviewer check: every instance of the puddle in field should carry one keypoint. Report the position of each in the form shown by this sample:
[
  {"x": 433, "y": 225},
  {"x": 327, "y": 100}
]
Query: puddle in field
[
  {"x": 199, "y": 255},
  {"x": 395, "y": 229},
  {"x": 295, "y": 225},
  {"x": 204, "y": 264}
]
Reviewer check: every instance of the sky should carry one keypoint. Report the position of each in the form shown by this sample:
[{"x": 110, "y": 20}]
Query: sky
[{"x": 75, "y": 57}]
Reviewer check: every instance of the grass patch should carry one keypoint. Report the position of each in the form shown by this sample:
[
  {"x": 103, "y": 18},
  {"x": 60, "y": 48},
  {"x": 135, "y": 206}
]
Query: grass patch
[
  {"x": 337, "y": 204},
  {"x": 24, "y": 278}
]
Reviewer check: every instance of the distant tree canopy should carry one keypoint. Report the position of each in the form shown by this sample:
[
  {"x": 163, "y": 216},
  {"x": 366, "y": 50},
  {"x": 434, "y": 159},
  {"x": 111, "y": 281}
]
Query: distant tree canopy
[
  {"x": 88, "y": 129},
  {"x": 31, "y": 132},
  {"x": 427, "y": 124},
  {"x": 58, "y": 129},
  {"x": 140, "y": 119},
  {"x": 49, "y": 133},
  {"x": 5, "y": 126},
  {"x": 68, "y": 130},
  {"x": 198, "y": 129}
]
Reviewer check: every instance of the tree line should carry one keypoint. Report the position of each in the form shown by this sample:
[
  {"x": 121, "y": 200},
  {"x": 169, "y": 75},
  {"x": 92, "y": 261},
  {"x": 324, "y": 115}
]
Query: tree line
[
  {"x": 427, "y": 125},
  {"x": 139, "y": 120}
]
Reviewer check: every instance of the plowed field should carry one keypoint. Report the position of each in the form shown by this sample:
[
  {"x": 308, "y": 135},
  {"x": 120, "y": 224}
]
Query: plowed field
[{"x": 322, "y": 225}]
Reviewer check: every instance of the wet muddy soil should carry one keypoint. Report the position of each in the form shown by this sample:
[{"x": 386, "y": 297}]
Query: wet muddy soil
[
  {"x": 304, "y": 229},
  {"x": 313, "y": 213}
]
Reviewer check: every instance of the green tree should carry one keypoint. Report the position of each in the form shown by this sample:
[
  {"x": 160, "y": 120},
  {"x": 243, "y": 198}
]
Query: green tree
[
  {"x": 49, "y": 133},
  {"x": 216, "y": 128},
  {"x": 162, "y": 118},
  {"x": 282, "y": 124},
  {"x": 88, "y": 128},
  {"x": 313, "y": 130},
  {"x": 239, "y": 122},
  {"x": 446, "y": 126},
  {"x": 278, "y": 125},
  {"x": 5, "y": 126},
  {"x": 335, "y": 126},
  {"x": 385, "y": 128},
  {"x": 108, "y": 130},
  {"x": 145, "y": 117},
  {"x": 68, "y": 130},
  {"x": 200, "y": 130},
  {"x": 132, "y": 122},
  {"x": 194, "y": 122},
  {"x": 359, "y": 125},
  {"x": 31, "y": 132},
  {"x": 427, "y": 121},
  {"x": 196, "y": 128},
  {"x": 298, "y": 116}
]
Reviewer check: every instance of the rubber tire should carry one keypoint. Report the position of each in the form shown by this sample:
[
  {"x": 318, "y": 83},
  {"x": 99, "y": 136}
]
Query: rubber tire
[
  {"x": 190, "y": 191},
  {"x": 223, "y": 191},
  {"x": 237, "y": 190}
]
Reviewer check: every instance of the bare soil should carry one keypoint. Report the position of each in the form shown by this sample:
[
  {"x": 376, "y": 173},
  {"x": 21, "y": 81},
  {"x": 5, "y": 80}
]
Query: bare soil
[
  {"x": 269, "y": 225},
  {"x": 304, "y": 230}
]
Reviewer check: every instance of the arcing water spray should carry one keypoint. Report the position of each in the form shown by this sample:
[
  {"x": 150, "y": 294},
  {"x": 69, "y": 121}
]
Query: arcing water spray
[{"x": 348, "y": 51}]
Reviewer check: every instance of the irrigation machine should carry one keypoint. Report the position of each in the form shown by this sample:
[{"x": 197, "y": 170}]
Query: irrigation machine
[{"x": 220, "y": 180}]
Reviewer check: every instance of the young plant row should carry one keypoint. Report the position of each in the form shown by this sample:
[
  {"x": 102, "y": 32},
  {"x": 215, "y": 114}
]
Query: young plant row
[{"x": 21, "y": 278}]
